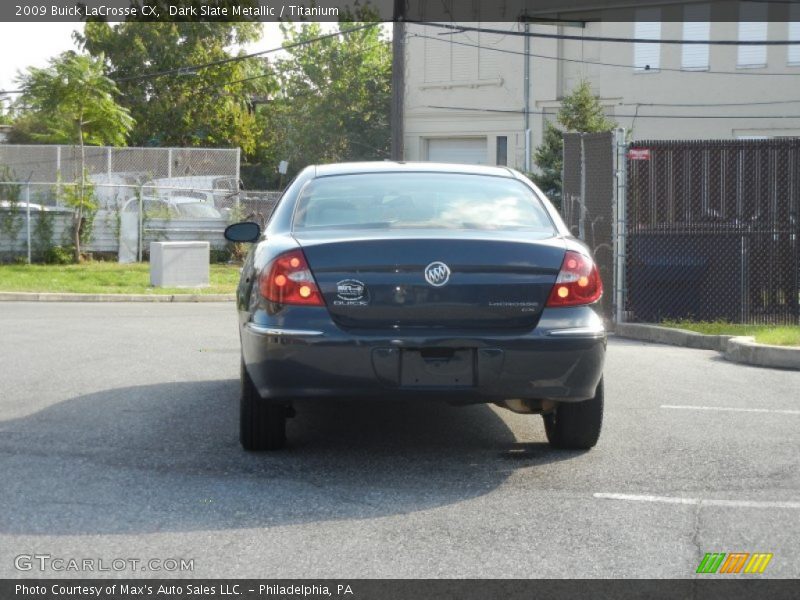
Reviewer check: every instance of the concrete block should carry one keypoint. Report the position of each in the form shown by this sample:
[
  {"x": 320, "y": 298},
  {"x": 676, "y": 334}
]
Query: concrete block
[{"x": 179, "y": 264}]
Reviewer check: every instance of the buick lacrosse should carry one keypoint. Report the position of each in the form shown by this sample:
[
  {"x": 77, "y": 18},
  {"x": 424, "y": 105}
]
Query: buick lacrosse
[{"x": 430, "y": 281}]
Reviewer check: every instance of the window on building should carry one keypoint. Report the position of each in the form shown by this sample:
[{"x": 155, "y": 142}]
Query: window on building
[
  {"x": 794, "y": 35},
  {"x": 502, "y": 150},
  {"x": 696, "y": 27},
  {"x": 752, "y": 28},
  {"x": 647, "y": 56}
]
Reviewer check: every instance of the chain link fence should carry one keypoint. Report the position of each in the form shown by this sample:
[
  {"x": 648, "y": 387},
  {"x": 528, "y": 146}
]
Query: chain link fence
[
  {"x": 587, "y": 203},
  {"x": 712, "y": 231},
  {"x": 138, "y": 195}
]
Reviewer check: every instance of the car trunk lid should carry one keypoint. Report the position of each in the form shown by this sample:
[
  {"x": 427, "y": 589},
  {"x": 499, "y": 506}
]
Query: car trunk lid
[{"x": 475, "y": 279}]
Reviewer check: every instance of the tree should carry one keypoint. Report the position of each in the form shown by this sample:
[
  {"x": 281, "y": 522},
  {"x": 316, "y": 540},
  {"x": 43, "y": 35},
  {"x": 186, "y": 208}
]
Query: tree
[
  {"x": 185, "y": 106},
  {"x": 5, "y": 115},
  {"x": 334, "y": 100},
  {"x": 73, "y": 102},
  {"x": 580, "y": 111}
]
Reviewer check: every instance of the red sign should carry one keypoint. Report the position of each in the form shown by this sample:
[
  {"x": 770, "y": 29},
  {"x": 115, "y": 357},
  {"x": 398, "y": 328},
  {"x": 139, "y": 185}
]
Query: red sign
[{"x": 639, "y": 154}]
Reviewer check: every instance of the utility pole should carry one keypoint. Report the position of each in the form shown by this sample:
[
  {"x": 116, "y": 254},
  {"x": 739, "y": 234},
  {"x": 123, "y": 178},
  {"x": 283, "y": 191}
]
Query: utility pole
[
  {"x": 398, "y": 78},
  {"x": 527, "y": 95}
]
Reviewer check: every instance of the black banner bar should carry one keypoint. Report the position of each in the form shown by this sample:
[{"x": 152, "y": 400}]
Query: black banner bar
[
  {"x": 573, "y": 12},
  {"x": 706, "y": 587}
]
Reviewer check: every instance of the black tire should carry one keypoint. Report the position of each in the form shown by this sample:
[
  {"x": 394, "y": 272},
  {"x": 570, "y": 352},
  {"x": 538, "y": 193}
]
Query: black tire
[
  {"x": 262, "y": 424},
  {"x": 576, "y": 425}
]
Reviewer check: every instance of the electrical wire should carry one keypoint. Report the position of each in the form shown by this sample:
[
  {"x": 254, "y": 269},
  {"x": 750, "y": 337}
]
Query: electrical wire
[
  {"x": 260, "y": 76},
  {"x": 599, "y": 38},
  {"x": 192, "y": 68},
  {"x": 616, "y": 116},
  {"x": 599, "y": 63}
]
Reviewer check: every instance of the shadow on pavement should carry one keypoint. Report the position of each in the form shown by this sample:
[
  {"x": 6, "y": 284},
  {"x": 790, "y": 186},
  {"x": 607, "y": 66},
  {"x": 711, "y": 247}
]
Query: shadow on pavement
[{"x": 166, "y": 457}]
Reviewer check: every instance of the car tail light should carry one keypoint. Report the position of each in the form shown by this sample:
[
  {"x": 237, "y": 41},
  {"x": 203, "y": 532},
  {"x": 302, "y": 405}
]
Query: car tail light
[
  {"x": 578, "y": 282},
  {"x": 288, "y": 280}
]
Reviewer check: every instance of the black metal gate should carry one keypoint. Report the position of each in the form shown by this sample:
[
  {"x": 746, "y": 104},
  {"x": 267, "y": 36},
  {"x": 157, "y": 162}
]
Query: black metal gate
[{"x": 712, "y": 231}]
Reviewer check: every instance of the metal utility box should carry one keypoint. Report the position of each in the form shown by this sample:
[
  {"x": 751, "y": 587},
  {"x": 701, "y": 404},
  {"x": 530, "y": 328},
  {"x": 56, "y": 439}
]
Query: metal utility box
[{"x": 179, "y": 264}]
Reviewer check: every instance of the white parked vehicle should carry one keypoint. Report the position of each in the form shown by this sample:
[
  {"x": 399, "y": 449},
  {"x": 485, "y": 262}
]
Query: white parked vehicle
[
  {"x": 113, "y": 190},
  {"x": 214, "y": 189},
  {"x": 23, "y": 206}
]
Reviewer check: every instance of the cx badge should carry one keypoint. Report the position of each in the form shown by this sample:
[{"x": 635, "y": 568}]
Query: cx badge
[{"x": 437, "y": 274}]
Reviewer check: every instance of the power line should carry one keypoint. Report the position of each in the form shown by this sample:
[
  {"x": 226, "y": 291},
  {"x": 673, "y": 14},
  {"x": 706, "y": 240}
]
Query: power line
[
  {"x": 599, "y": 63},
  {"x": 710, "y": 104},
  {"x": 598, "y": 38},
  {"x": 621, "y": 116},
  {"x": 262, "y": 75},
  {"x": 192, "y": 68}
]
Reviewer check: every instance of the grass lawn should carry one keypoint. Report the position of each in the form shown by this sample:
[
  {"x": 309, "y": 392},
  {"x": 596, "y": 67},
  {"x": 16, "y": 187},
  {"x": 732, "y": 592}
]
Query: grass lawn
[
  {"x": 778, "y": 335},
  {"x": 105, "y": 278}
]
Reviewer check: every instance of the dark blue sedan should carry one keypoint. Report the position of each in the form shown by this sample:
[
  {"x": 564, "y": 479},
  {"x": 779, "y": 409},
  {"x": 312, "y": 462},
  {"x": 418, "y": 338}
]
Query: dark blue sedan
[{"x": 402, "y": 280}]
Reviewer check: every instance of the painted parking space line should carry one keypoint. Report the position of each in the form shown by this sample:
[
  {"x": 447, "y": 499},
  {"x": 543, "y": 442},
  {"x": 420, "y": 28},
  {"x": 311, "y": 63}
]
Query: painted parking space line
[
  {"x": 700, "y": 501},
  {"x": 732, "y": 409}
]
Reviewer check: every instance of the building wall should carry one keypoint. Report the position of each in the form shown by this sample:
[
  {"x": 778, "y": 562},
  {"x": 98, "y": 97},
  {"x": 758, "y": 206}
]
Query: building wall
[{"x": 447, "y": 75}]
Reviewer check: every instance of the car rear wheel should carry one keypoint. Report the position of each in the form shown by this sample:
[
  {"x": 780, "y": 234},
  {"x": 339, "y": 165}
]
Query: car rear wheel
[
  {"x": 262, "y": 424},
  {"x": 576, "y": 425}
]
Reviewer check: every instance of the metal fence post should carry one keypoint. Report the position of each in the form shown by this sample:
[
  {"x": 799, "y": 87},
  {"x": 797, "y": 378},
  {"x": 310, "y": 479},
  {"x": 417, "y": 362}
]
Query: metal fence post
[
  {"x": 620, "y": 225},
  {"x": 28, "y": 215},
  {"x": 582, "y": 207},
  {"x": 58, "y": 176},
  {"x": 140, "y": 237},
  {"x": 238, "y": 179}
]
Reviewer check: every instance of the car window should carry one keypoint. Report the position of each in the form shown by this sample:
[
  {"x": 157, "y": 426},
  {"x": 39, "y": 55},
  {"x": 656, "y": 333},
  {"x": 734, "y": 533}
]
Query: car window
[
  {"x": 203, "y": 211},
  {"x": 188, "y": 194},
  {"x": 155, "y": 209},
  {"x": 419, "y": 200},
  {"x": 225, "y": 185}
]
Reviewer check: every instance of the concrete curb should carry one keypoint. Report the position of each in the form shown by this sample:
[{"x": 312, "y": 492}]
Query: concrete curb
[
  {"x": 50, "y": 297},
  {"x": 740, "y": 349},
  {"x": 674, "y": 337},
  {"x": 745, "y": 350}
]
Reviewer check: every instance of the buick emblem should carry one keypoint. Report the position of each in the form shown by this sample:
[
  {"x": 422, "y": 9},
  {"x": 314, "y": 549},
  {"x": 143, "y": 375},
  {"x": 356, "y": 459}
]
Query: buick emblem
[{"x": 437, "y": 274}]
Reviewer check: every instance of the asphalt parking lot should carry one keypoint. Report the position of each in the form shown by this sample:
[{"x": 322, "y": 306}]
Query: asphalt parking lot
[{"x": 118, "y": 439}]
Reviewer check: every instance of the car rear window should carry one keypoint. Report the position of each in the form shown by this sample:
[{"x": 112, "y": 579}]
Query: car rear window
[
  {"x": 197, "y": 209},
  {"x": 419, "y": 201}
]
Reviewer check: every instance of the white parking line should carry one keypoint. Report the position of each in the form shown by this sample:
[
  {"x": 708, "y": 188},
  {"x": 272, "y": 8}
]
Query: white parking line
[
  {"x": 732, "y": 409},
  {"x": 700, "y": 501}
]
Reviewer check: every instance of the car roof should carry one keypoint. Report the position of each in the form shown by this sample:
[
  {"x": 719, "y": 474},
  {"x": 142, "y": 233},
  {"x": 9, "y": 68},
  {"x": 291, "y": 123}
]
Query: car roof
[{"x": 389, "y": 166}]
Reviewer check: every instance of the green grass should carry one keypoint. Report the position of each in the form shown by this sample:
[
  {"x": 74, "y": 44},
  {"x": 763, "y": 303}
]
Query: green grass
[
  {"x": 777, "y": 335},
  {"x": 105, "y": 278}
]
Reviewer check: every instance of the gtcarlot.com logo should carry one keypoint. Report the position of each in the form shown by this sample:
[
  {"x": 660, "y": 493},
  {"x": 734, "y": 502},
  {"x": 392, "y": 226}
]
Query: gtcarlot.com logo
[
  {"x": 58, "y": 564},
  {"x": 733, "y": 563}
]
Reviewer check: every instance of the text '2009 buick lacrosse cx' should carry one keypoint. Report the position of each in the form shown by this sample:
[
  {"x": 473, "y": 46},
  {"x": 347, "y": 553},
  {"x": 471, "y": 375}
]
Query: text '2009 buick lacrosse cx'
[{"x": 399, "y": 280}]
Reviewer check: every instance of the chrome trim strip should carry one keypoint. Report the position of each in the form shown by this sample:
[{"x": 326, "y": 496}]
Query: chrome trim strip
[
  {"x": 583, "y": 332},
  {"x": 282, "y": 332}
]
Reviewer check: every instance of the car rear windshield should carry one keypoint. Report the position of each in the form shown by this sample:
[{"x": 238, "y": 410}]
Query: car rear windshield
[
  {"x": 419, "y": 200},
  {"x": 197, "y": 209}
]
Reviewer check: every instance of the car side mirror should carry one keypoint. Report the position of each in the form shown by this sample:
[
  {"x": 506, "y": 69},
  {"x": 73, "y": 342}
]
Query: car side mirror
[{"x": 246, "y": 231}]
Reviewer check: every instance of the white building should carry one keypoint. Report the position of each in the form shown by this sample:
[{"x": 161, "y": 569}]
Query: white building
[{"x": 465, "y": 93}]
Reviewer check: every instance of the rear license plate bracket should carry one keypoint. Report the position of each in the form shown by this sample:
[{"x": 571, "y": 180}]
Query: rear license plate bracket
[{"x": 436, "y": 367}]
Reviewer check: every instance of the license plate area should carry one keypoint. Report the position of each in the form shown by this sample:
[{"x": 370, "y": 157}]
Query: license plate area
[{"x": 437, "y": 367}]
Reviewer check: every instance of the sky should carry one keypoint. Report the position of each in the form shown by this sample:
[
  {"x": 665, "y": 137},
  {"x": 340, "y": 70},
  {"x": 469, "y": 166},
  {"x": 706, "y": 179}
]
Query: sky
[{"x": 33, "y": 44}]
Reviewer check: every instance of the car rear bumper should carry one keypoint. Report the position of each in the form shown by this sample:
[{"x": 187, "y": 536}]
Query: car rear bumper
[{"x": 562, "y": 359}]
